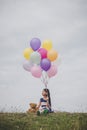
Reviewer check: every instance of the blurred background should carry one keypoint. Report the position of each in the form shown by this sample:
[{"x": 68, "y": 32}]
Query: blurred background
[{"x": 65, "y": 23}]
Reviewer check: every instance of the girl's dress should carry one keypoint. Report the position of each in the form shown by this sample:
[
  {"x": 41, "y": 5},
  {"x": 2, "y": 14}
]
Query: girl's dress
[{"x": 44, "y": 105}]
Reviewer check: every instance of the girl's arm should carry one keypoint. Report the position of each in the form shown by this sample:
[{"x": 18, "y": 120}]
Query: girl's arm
[{"x": 38, "y": 106}]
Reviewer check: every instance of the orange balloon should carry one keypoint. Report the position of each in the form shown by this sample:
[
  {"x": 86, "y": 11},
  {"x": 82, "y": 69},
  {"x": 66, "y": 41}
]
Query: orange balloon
[{"x": 52, "y": 55}]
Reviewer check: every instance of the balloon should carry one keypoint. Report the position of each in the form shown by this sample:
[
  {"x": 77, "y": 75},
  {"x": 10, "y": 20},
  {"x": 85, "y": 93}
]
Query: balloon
[
  {"x": 45, "y": 64},
  {"x": 52, "y": 55},
  {"x": 27, "y": 53},
  {"x": 47, "y": 44},
  {"x": 35, "y": 44},
  {"x": 43, "y": 52},
  {"x": 36, "y": 71},
  {"x": 27, "y": 65},
  {"x": 35, "y": 58},
  {"x": 52, "y": 71}
]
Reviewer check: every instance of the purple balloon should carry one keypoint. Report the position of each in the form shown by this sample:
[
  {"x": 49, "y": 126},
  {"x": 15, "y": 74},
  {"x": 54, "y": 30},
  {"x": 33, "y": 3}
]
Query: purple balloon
[
  {"x": 45, "y": 64},
  {"x": 35, "y": 44}
]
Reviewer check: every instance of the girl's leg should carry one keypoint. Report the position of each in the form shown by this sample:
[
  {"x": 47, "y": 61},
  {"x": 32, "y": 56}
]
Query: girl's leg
[
  {"x": 38, "y": 113},
  {"x": 46, "y": 111},
  {"x": 43, "y": 111}
]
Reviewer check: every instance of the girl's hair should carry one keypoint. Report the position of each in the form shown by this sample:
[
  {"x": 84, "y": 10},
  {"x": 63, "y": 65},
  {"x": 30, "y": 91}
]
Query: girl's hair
[{"x": 48, "y": 92}]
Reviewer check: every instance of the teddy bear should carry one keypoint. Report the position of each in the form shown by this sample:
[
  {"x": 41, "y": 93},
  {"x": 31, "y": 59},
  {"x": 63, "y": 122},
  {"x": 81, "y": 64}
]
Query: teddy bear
[{"x": 33, "y": 108}]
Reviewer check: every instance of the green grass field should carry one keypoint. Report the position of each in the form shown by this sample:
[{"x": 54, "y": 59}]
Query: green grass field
[{"x": 52, "y": 121}]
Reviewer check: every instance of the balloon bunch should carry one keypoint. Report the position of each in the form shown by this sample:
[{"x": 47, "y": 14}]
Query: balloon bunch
[{"x": 39, "y": 60}]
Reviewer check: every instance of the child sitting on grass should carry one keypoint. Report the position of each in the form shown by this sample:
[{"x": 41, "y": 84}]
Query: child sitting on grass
[{"x": 44, "y": 105}]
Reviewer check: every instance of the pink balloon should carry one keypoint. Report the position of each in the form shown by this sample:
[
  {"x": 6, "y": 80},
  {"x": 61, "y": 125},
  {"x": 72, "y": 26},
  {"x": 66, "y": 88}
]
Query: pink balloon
[
  {"x": 43, "y": 52},
  {"x": 52, "y": 71},
  {"x": 36, "y": 71}
]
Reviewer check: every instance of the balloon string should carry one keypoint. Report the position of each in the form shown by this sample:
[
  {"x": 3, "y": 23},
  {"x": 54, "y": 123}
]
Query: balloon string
[{"x": 44, "y": 79}]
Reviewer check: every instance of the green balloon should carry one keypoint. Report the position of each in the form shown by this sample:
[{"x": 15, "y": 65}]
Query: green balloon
[{"x": 35, "y": 58}]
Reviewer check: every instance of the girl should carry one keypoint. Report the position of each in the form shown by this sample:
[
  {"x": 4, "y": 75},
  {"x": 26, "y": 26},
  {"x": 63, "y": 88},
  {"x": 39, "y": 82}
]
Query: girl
[{"x": 44, "y": 105}]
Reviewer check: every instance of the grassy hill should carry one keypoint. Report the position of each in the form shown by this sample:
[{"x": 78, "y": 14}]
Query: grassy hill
[{"x": 53, "y": 121}]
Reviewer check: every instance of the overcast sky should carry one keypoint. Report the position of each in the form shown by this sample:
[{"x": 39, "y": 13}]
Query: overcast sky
[{"x": 62, "y": 21}]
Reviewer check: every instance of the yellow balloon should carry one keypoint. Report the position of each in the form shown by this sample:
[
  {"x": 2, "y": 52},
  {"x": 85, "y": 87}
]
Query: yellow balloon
[
  {"x": 27, "y": 53},
  {"x": 52, "y": 55},
  {"x": 47, "y": 44}
]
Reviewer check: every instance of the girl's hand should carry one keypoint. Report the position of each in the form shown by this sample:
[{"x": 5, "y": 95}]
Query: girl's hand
[
  {"x": 47, "y": 98},
  {"x": 37, "y": 107}
]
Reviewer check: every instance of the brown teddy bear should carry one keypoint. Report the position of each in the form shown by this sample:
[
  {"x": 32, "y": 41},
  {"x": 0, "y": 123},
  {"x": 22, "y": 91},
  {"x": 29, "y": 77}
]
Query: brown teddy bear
[{"x": 33, "y": 108}]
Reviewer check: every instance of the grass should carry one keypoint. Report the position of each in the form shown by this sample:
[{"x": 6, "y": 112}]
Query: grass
[{"x": 53, "y": 121}]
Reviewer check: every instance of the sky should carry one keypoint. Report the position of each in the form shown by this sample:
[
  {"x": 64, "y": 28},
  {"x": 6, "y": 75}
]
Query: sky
[{"x": 65, "y": 23}]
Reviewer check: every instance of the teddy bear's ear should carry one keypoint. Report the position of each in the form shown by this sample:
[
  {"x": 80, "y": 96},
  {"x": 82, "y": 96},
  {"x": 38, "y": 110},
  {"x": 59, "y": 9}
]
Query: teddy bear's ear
[{"x": 30, "y": 104}]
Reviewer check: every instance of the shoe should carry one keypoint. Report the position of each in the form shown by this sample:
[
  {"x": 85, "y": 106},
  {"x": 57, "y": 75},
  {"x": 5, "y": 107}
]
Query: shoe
[
  {"x": 38, "y": 113},
  {"x": 45, "y": 112}
]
